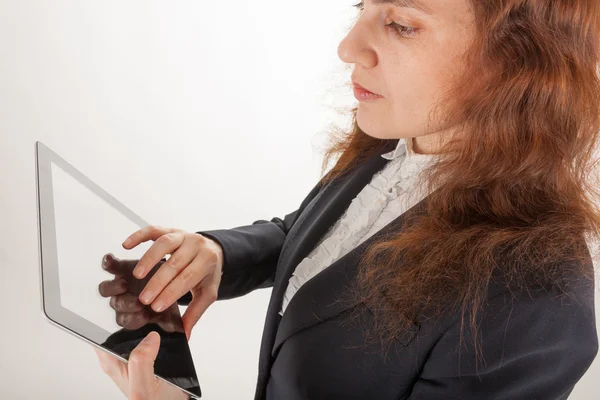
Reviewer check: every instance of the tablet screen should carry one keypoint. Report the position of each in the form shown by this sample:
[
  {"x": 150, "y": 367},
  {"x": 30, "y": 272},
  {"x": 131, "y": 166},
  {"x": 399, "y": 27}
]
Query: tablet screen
[
  {"x": 87, "y": 227},
  {"x": 80, "y": 224}
]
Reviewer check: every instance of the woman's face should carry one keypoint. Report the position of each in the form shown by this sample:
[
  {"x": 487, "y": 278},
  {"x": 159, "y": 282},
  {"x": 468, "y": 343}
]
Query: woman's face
[{"x": 409, "y": 65}]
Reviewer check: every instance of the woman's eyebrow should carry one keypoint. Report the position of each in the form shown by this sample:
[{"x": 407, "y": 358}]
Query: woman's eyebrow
[{"x": 416, "y": 4}]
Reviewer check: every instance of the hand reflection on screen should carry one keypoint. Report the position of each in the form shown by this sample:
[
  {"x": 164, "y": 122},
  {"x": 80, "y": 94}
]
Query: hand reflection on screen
[
  {"x": 124, "y": 291},
  {"x": 174, "y": 360}
]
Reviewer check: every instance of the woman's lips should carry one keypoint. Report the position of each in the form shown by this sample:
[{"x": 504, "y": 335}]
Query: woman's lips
[{"x": 363, "y": 94}]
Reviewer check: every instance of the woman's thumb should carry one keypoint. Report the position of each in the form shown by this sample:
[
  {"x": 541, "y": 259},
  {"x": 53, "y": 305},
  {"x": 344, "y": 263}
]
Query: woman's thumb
[
  {"x": 195, "y": 310},
  {"x": 141, "y": 363}
]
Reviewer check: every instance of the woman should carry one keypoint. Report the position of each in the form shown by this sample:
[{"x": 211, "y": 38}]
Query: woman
[{"x": 444, "y": 255}]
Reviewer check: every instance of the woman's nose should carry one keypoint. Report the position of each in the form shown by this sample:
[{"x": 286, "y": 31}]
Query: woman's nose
[{"x": 354, "y": 49}]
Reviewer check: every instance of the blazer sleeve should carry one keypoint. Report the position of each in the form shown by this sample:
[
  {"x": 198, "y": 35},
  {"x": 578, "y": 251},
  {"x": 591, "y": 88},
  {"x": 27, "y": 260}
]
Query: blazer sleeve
[
  {"x": 251, "y": 252},
  {"x": 535, "y": 347}
]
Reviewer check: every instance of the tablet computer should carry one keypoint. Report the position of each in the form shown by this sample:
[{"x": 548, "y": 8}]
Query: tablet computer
[{"x": 79, "y": 223}]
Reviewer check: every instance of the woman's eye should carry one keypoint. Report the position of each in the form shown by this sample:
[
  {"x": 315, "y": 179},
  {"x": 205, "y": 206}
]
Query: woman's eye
[
  {"x": 403, "y": 31},
  {"x": 360, "y": 5}
]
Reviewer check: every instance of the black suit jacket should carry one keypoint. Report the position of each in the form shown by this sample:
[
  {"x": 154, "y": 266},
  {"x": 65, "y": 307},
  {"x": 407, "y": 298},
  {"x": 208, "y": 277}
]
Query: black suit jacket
[{"x": 534, "y": 348}]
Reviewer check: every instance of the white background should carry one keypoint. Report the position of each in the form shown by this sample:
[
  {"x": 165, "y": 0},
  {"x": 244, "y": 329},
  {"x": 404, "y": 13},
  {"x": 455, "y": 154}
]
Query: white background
[{"x": 195, "y": 115}]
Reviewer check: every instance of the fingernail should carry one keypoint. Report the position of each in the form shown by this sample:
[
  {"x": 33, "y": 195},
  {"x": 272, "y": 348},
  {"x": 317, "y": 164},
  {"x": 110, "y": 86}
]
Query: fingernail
[
  {"x": 138, "y": 272},
  {"x": 126, "y": 242},
  {"x": 158, "y": 306},
  {"x": 151, "y": 338},
  {"x": 146, "y": 297}
]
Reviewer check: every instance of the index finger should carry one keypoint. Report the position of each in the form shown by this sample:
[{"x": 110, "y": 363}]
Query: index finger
[
  {"x": 149, "y": 232},
  {"x": 163, "y": 245}
]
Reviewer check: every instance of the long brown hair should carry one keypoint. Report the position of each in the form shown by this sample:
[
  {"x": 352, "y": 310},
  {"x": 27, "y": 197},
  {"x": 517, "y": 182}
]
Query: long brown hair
[{"x": 517, "y": 196}]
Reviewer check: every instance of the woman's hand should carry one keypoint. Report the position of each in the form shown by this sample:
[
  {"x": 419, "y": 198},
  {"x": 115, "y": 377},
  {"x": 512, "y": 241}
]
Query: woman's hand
[
  {"x": 136, "y": 377},
  {"x": 195, "y": 265}
]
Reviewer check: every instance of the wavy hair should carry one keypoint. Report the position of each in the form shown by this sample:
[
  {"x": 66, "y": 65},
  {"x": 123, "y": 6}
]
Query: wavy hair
[{"x": 516, "y": 196}]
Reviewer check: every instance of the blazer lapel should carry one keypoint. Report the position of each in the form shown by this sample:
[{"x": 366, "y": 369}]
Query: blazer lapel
[
  {"x": 317, "y": 299},
  {"x": 319, "y": 215}
]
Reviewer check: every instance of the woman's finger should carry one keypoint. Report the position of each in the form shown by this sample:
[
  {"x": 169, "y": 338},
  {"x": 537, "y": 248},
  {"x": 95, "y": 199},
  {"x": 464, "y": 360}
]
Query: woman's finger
[
  {"x": 142, "y": 382},
  {"x": 191, "y": 275},
  {"x": 149, "y": 232},
  {"x": 179, "y": 261},
  {"x": 113, "y": 287},
  {"x": 114, "y": 368},
  {"x": 199, "y": 304},
  {"x": 163, "y": 245}
]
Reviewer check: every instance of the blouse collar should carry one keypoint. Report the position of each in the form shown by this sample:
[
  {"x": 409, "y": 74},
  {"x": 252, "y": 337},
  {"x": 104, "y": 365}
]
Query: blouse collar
[{"x": 405, "y": 147}]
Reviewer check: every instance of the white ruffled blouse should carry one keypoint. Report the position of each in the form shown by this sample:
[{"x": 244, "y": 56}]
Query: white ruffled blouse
[{"x": 391, "y": 192}]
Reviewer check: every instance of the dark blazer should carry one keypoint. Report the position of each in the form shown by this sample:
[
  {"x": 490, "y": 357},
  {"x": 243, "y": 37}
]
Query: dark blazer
[{"x": 534, "y": 348}]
